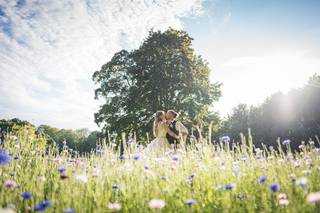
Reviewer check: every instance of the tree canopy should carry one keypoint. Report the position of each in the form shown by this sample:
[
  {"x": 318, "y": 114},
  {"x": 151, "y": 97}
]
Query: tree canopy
[{"x": 163, "y": 73}]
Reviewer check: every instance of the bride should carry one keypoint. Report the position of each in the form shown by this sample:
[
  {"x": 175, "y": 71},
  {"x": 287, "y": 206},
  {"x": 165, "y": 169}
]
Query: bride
[{"x": 160, "y": 129}]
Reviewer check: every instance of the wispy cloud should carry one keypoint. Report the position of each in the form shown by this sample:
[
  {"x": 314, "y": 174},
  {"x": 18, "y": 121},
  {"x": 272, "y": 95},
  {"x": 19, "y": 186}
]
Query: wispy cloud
[{"x": 49, "y": 50}]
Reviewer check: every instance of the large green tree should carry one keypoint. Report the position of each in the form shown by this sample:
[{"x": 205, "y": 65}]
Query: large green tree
[{"x": 163, "y": 73}]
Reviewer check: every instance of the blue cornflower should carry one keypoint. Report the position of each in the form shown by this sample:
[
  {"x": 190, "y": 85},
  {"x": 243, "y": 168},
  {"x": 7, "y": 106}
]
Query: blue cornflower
[
  {"x": 99, "y": 147},
  {"x": 62, "y": 170},
  {"x": 115, "y": 186},
  {"x": 72, "y": 161},
  {"x": 69, "y": 210},
  {"x": 302, "y": 182},
  {"x": 26, "y": 195},
  {"x": 100, "y": 152},
  {"x": 230, "y": 187},
  {"x": 262, "y": 179},
  {"x": 146, "y": 167},
  {"x": 42, "y": 206},
  {"x": 225, "y": 139},
  {"x": 130, "y": 141},
  {"x": 274, "y": 187},
  {"x": 175, "y": 157},
  {"x": 136, "y": 156},
  {"x": 4, "y": 158},
  {"x": 286, "y": 142},
  {"x": 189, "y": 181},
  {"x": 190, "y": 202}
]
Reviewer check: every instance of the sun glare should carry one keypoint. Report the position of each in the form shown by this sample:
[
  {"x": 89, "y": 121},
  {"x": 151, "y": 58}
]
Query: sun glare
[{"x": 261, "y": 76}]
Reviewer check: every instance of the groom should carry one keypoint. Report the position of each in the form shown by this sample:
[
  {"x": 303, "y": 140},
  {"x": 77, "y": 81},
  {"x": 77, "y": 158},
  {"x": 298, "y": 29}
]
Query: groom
[{"x": 175, "y": 126}]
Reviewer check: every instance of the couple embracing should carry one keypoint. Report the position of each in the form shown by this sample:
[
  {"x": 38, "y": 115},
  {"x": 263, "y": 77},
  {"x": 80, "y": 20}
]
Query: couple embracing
[{"x": 168, "y": 132}]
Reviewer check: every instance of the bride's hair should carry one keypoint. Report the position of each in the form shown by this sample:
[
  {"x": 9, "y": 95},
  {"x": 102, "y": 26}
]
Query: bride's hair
[{"x": 157, "y": 119}]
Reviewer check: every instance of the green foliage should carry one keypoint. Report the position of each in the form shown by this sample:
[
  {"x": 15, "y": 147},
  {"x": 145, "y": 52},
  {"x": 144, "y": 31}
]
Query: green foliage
[
  {"x": 13, "y": 125},
  {"x": 295, "y": 115},
  {"x": 164, "y": 73},
  {"x": 89, "y": 142}
]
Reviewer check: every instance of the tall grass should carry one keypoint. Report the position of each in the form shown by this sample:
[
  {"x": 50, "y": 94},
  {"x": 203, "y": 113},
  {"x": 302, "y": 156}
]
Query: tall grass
[{"x": 219, "y": 178}]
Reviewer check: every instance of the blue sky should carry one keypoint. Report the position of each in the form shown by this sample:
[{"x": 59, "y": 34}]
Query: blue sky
[{"x": 49, "y": 49}]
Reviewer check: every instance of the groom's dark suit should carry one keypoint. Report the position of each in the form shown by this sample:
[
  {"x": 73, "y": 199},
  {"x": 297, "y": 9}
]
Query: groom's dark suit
[{"x": 172, "y": 127}]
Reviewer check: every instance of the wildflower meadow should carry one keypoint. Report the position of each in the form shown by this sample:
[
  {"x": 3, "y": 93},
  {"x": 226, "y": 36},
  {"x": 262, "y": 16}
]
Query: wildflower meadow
[{"x": 201, "y": 177}]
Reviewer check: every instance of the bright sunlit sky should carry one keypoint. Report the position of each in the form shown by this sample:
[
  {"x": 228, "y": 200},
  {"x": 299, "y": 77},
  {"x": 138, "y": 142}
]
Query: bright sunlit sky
[
  {"x": 256, "y": 48},
  {"x": 49, "y": 49}
]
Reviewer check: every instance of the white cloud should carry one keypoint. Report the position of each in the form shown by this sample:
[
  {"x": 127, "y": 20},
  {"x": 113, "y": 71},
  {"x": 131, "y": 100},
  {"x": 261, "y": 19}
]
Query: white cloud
[{"x": 49, "y": 50}]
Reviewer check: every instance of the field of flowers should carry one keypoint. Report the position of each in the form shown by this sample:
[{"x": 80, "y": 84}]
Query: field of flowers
[{"x": 199, "y": 178}]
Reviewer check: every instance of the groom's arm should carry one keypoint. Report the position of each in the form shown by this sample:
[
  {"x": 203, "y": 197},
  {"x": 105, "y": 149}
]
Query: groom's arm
[{"x": 170, "y": 132}]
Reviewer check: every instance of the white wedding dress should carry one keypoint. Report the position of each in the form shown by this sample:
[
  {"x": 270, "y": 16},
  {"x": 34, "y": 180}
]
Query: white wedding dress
[{"x": 160, "y": 144}]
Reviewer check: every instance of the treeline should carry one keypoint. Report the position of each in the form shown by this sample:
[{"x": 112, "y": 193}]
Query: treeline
[
  {"x": 81, "y": 140},
  {"x": 294, "y": 116}
]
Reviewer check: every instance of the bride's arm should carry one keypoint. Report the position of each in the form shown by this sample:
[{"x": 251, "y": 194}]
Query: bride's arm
[
  {"x": 169, "y": 131},
  {"x": 155, "y": 130}
]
